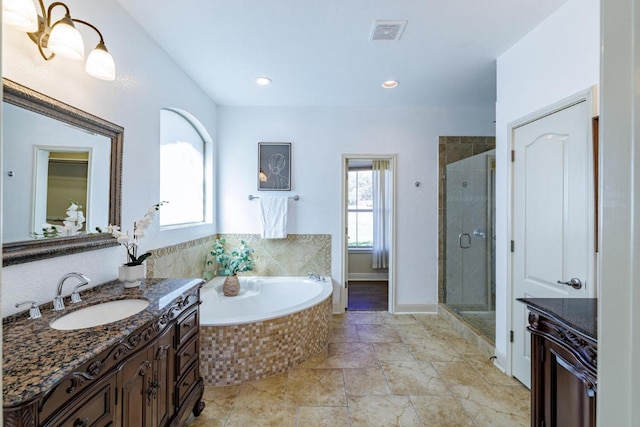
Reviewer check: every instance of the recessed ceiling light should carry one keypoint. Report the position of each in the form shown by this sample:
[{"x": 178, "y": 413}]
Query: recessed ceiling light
[
  {"x": 389, "y": 84},
  {"x": 263, "y": 81}
]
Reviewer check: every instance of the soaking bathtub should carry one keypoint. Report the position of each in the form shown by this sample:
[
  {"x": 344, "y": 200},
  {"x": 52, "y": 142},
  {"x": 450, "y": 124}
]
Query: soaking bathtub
[{"x": 272, "y": 325}]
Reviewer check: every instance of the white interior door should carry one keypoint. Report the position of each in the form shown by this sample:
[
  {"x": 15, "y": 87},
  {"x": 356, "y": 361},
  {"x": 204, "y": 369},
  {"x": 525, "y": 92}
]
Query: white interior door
[{"x": 553, "y": 254}]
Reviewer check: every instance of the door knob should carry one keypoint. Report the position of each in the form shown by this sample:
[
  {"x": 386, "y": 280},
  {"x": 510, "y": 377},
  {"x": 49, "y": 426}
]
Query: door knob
[{"x": 575, "y": 283}]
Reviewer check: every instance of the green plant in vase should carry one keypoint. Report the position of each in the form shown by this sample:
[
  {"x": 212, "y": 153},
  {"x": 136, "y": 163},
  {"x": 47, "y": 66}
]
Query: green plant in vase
[{"x": 230, "y": 263}]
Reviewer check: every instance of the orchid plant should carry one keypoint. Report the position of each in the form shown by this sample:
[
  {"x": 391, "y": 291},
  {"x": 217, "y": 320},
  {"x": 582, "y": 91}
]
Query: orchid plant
[
  {"x": 71, "y": 225},
  {"x": 130, "y": 242},
  {"x": 231, "y": 263}
]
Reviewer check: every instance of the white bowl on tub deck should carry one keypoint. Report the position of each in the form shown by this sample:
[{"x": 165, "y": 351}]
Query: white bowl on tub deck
[{"x": 260, "y": 298}]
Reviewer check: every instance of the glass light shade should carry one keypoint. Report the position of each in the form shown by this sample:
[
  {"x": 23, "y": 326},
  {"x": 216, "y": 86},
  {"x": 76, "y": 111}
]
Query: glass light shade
[
  {"x": 65, "y": 40},
  {"x": 263, "y": 81},
  {"x": 20, "y": 14},
  {"x": 100, "y": 63}
]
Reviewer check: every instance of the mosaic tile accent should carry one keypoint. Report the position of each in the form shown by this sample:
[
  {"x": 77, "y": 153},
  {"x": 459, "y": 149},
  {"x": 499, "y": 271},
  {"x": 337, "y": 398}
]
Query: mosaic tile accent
[
  {"x": 238, "y": 353},
  {"x": 296, "y": 255}
]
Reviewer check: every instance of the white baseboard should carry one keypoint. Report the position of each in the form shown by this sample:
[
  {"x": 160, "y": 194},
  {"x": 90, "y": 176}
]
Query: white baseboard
[
  {"x": 367, "y": 277},
  {"x": 500, "y": 361},
  {"x": 338, "y": 308},
  {"x": 416, "y": 308}
]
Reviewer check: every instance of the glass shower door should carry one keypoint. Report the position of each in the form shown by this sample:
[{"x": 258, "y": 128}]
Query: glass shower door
[{"x": 469, "y": 283}]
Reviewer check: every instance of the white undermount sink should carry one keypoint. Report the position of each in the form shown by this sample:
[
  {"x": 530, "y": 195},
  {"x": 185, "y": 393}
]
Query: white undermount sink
[{"x": 99, "y": 314}]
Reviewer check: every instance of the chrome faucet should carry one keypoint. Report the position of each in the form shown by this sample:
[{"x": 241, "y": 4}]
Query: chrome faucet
[
  {"x": 34, "y": 311},
  {"x": 315, "y": 276},
  {"x": 75, "y": 295},
  {"x": 58, "y": 301}
]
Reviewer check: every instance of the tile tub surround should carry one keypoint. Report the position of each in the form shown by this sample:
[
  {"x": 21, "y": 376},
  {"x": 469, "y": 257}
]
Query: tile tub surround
[
  {"x": 378, "y": 370},
  {"x": 187, "y": 259},
  {"x": 296, "y": 255},
  {"x": 231, "y": 355},
  {"x": 36, "y": 356}
]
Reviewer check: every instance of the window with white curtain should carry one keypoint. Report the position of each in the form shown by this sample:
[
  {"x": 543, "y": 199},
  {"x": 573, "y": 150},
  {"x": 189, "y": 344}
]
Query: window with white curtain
[
  {"x": 381, "y": 185},
  {"x": 360, "y": 207},
  {"x": 182, "y": 170}
]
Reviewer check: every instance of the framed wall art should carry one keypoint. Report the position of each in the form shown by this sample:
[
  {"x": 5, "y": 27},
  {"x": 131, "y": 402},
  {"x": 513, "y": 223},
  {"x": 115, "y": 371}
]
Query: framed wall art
[{"x": 274, "y": 166}]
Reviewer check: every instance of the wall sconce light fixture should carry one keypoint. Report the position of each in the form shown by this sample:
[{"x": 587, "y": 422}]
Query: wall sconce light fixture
[{"x": 61, "y": 39}]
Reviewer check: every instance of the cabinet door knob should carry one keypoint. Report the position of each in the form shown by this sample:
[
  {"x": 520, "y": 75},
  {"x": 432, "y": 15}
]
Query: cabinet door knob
[{"x": 81, "y": 423}]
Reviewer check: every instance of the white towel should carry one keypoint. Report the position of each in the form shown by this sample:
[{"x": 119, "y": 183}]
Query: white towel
[{"x": 273, "y": 216}]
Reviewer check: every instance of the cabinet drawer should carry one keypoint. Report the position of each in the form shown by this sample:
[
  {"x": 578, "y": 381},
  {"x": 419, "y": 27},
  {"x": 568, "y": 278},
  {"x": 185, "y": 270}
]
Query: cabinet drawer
[
  {"x": 186, "y": 382},
  {"x": 96, "y": 410},
  {"x": 187, "y": 326},
  {"x": 187, "y": 354}
]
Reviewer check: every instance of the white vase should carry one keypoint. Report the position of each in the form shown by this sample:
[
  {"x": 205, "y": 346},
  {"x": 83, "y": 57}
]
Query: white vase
[{"x": 131, "y": 275}]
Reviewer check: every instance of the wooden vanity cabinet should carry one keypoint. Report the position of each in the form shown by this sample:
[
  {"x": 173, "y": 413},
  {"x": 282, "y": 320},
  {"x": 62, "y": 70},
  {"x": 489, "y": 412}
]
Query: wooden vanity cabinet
[
  {"x": 151, "y": 378},
  {"x": 96, "y": 408},
  {"x": 145, "y": 383},
  {"x": 189, "y": 386},
  {"x": 564, "y": 391},
  {"x": 563, "y": 370}
]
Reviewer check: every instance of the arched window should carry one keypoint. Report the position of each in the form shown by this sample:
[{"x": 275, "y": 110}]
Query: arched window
[{"x": 183, "y": 149}]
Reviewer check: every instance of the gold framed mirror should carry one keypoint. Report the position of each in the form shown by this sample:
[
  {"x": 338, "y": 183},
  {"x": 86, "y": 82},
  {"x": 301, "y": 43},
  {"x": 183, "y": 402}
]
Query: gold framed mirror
[{"x": 40, "y": 127}]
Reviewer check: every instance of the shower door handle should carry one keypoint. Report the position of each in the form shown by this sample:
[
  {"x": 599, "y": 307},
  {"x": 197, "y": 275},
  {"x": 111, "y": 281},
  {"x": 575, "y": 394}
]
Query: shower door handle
[{"x": 461, "y": 237}]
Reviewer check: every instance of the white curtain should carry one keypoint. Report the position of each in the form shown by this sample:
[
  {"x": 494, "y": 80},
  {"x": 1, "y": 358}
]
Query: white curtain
[{"x": 381, "y": 178}]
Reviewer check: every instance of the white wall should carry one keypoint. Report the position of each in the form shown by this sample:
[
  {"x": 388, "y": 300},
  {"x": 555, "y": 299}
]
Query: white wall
[
  {"x": 618, "y": 315},
  {"x": 147, "y": 81},
  {"x": 558, "y": 58},
  {"x": 320, "y": 135},
  {"x": 360, "y": 267}
]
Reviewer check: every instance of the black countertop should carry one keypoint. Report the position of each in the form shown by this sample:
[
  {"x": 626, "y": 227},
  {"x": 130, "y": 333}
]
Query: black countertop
[{"x": 579, "y": 313}]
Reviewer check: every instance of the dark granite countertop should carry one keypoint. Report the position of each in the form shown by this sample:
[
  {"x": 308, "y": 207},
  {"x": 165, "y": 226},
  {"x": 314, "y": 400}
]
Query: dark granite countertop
[
  {"x": 579, "y": 313},
  {"x": 35, "y": 356}
]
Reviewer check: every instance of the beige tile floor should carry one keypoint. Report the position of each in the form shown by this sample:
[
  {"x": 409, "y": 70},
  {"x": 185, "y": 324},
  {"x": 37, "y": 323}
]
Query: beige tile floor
[{"x": 378, "y": 370}]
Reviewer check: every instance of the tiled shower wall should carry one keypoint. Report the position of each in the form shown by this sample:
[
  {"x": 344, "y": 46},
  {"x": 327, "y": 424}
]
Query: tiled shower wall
[{"x": 296, "y": 255}]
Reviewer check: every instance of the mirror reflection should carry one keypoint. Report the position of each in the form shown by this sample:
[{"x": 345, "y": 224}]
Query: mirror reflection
[
  {"x": 62, "y": 172},
  {"x": 61, "y": 194},
  {"x": 50, "y": 166}
]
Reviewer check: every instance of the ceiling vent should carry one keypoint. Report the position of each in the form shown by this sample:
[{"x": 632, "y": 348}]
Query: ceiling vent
[{"x": 387, "y": 30}]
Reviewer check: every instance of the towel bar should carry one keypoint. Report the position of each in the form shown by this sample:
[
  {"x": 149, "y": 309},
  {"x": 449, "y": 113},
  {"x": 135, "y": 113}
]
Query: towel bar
[{"x": 296, "y": 197}]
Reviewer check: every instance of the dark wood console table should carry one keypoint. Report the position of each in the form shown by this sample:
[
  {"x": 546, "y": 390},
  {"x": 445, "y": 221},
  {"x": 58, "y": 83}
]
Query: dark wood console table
[{"x": 564, "y": 360}]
